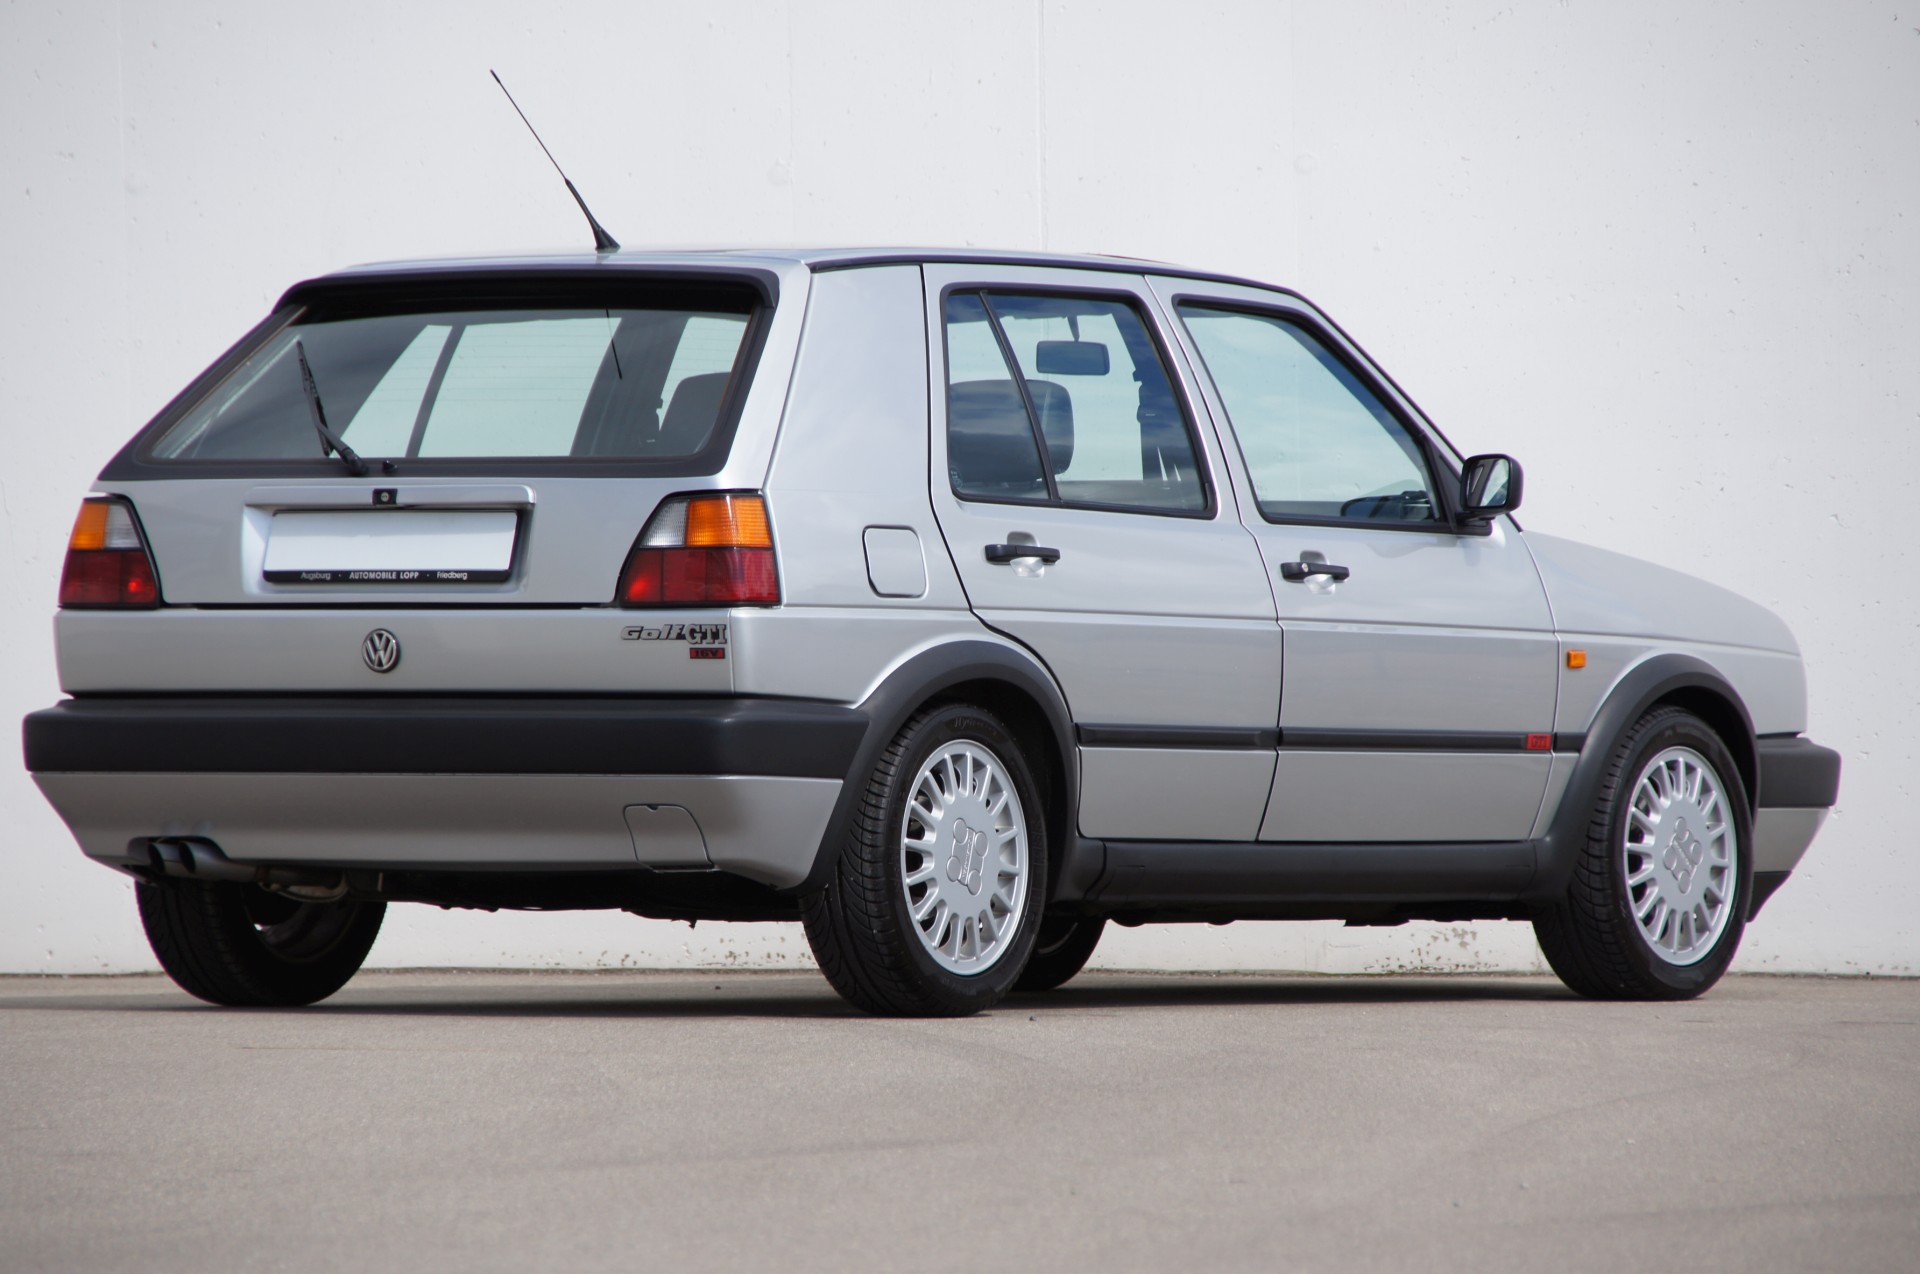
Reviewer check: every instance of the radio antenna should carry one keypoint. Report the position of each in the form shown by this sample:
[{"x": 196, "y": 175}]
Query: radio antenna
[{"x": 602, "y": 241}]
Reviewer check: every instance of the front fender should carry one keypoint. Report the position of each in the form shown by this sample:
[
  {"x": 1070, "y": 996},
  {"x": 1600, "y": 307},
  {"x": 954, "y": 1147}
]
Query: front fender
[{"x": 1682, "y": 679}]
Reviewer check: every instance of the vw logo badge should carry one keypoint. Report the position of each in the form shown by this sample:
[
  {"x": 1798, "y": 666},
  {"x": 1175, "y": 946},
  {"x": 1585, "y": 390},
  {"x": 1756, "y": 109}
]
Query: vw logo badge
[{"x": 381, "y": 650}]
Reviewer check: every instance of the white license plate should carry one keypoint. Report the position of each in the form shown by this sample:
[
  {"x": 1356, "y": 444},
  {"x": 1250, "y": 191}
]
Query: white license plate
[{"x": 391, "y": 546}]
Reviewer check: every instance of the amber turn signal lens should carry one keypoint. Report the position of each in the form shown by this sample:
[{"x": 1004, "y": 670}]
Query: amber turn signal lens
[
  {"x": 90, "y": 528},
  {"x": 104, "y": 523},
  {"x": 1576, "y": 659},
  {"x": 728, "y": 521}
]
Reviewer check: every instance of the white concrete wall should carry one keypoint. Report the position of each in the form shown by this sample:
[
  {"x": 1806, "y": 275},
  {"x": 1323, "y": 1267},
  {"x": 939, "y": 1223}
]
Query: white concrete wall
[{"x": 1667, "y": 254}]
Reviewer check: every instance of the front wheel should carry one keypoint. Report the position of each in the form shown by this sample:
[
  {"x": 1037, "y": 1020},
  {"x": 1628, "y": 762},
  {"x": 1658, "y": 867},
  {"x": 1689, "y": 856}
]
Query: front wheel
[
  {"x": 241, "y": 945},
  {"x": 1658, "y": 899},
  {"x": 934, "y": 901}
]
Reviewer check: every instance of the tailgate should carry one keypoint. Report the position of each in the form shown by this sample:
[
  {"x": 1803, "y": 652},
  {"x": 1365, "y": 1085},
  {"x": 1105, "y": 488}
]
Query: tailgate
[{"x": 499, "y": 437}]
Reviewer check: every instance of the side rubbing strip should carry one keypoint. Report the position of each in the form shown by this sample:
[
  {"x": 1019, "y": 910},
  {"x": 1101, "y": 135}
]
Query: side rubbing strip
[
  {"x": 1156, "y": 736},
  {"x": 1411, "y": 740},
  {"x": 1335, "y": 740}
]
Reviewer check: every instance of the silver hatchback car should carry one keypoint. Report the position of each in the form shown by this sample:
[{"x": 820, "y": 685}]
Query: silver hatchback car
[{"x": 949, "y": 603}]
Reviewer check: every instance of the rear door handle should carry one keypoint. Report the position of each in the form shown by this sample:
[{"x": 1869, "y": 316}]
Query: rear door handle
[
  {"x": 1298, "y": 572},
  {"x": 1004, "y": 554}
]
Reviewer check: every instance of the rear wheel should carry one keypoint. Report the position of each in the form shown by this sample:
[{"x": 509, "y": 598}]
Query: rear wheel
[
  {"x": 240, "y": 945},
  {"x": 1658, "y": 899},
  {"x": 933, "y": 904},
  {"x": 1063, "y": 948}
]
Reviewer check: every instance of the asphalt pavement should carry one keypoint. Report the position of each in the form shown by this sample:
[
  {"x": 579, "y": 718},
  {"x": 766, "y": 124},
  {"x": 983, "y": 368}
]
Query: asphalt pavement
[{"x": 719, "y": 1121}]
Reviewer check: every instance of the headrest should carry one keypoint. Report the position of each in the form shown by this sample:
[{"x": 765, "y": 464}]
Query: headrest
[
  {"x": 989, "y": 442},
  {"x": 989, "y": 438},
  {"x": 694, "y": 411}
]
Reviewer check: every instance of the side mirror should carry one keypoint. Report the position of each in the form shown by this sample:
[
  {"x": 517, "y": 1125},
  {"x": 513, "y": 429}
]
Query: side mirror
[{"x": 1489, "y": 485}]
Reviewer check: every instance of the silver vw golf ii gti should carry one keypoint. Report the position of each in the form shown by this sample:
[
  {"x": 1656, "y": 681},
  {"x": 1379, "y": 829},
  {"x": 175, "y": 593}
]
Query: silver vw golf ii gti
[{"x": 950, "y": 603}]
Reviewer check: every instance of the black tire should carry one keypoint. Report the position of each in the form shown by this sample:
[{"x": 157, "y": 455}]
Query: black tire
[
  {"x": 1591, "y": 937},
  {"x": 1063, "y": 948},
  {"x": 861, "y": 926},
  {"x": 243, "y": 946}
]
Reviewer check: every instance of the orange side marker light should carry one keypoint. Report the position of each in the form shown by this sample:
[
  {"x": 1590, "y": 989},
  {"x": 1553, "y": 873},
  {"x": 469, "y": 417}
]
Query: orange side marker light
[{"x": 1576, "y": 659}]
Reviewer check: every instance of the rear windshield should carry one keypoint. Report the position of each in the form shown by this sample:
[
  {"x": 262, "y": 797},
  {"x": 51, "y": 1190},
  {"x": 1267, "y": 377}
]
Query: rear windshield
[{"x": 456, "y": 384}]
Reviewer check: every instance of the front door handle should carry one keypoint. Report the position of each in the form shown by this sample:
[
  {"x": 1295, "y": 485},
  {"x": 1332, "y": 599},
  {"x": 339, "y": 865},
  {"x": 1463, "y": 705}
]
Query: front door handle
[
  {"x": 1004, "y": 554},
  {"x": 1299, "y": 572}
]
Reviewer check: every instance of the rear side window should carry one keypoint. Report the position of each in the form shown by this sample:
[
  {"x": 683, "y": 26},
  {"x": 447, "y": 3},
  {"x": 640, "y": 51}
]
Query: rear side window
[
  {"x": 1059, "y": 398},
  {"x": 477, "y": 384}
]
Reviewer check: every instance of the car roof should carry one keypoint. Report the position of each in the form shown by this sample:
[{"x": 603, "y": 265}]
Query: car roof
[{"x": 782, "y": 259}]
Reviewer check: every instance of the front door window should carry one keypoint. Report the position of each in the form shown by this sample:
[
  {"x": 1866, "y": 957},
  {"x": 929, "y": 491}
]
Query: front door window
[{"x": 1318, "y": 443}]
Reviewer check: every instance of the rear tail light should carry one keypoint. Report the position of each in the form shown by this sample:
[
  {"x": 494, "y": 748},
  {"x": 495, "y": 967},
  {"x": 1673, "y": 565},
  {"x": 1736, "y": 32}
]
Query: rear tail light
[
  {"x": 703, "y": 550},
  {"x": 107, "y": 559}
]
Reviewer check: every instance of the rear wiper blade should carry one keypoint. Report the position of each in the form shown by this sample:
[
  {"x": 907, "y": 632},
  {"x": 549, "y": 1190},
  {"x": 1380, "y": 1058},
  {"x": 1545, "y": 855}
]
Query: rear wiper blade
[{"x": 329, "y": 441}]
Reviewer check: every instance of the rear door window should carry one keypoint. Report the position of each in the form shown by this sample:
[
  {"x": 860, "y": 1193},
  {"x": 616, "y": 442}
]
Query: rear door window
[{"x": 1078, "y": 380}]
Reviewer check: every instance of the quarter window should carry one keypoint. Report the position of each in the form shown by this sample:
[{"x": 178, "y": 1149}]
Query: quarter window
[
  {"x": 1091, "y": 394},
  {"x": 1318, "y": 443}
]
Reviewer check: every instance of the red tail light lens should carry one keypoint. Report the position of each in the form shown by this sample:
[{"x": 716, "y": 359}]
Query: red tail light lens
[
  {"x": 107, "y": 560},
  {"x": 700, "y": 577},
  {"x": 703, "y": 550}
]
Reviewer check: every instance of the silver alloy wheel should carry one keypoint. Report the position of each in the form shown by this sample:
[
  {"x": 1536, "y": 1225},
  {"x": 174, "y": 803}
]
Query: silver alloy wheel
[
  {"x": 963, "y": 857},
  {"x": 1681, "y": 856}
]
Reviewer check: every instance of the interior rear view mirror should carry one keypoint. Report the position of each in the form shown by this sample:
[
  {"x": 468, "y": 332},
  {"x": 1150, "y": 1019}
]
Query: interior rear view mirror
[
  {"x": 1489, "y": 485},
  {"x": 1071, "y": 358}
]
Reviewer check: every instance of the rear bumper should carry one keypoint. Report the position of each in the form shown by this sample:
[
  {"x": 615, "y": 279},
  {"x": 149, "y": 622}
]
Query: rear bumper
[
  {"x": 1799, "y": 783},
  {"x": 742, "y": 785},
  {"x": 1797, "y": 773}
]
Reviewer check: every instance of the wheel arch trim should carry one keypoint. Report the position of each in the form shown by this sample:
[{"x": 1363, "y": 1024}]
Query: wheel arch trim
[
  {"x": 1681, "y": 680},
  {"x": 935, "y": 674}
]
